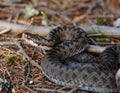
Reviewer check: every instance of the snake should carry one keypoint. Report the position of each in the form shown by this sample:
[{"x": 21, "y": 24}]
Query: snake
[{"x": 68, "y": 63}]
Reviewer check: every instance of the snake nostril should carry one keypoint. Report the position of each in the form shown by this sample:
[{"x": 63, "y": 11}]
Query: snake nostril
[
  {"x": 27, "y": 37},
  {"x": 24, "y": 36}
]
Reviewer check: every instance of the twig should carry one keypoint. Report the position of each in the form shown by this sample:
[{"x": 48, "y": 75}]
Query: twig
[
  {"x": 32, "y": 91},
  {"x": 16, "y": 17},
  {"x": 96, "y": 49},
  {"x": 49, "y": 90},
  {"x": 105, "y": 30},
  {"x": 6, "y": 70},
  {"x": 72, "y": 9},
  {"x": 15, "y": 5},
  {"x": 63, "y": 88},
  {"x": 103, "y": 16},
  {"x": 26, "y": 56},
  {"x": 44, "y": 30},
  {"x": 18, "y": 28},
  {"x": 51, "y": 12},
  {"x": 91, "y": 6},
  {"x": 5, "y": 31},
  {"x": 6, "y": 43},
  {"x": 31, "y": 21},
  {"x": 74, "y": 89}
]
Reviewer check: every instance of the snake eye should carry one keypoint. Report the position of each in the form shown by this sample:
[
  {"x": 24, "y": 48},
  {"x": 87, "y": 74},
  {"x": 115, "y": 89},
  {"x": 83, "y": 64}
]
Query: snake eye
[{"x": 26, "y": 36}]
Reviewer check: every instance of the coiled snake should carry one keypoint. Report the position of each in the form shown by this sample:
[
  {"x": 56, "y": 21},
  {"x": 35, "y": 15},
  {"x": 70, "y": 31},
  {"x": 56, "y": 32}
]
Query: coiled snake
[{"x": 69, "y": 64}]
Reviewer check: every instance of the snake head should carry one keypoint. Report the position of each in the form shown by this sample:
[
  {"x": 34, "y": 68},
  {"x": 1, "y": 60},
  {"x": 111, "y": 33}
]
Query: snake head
[
  {"x": 29, "y": 38},
  {"x": 36, "y": 40}
]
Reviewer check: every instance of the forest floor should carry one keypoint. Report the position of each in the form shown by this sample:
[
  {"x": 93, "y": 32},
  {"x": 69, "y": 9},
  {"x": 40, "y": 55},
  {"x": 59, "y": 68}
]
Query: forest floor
[{"x": 17, "y": 59}]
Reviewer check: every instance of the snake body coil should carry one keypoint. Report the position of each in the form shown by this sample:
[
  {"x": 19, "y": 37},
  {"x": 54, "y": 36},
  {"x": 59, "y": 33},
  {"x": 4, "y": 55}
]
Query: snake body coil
[{"x": 66, "y": 63}]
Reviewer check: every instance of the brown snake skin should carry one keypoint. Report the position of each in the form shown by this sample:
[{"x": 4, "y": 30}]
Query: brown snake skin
[{"x": 69, "y": 64}]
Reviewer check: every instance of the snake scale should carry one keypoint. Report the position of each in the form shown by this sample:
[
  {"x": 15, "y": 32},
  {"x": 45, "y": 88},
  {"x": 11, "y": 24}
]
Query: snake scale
[{"x": 69, "y": 64}]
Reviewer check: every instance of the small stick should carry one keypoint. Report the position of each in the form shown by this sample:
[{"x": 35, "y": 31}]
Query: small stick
[
  {"x": 96, "y": 49},
  {"x": 73, "y": 89},
  {"x": 5, "y": 31},
  {"x": 44, "y": 30},
  {"x": 49, "y": 90}
]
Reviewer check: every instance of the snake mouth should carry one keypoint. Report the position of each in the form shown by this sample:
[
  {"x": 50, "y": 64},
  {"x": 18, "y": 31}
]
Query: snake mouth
[{"x": 28, "y": 40}]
